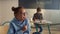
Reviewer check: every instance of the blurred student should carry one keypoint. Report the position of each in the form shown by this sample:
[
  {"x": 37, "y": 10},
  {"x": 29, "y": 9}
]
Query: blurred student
[{"x": 38, "y": 18}]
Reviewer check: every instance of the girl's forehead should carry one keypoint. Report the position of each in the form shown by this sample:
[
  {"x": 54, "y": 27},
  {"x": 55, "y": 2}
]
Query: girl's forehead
[{"x": 22, "y": 10}]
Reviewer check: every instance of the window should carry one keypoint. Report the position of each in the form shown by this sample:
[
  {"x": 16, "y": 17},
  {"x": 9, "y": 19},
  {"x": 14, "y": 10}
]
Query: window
[{"x": 44, "y": 4}]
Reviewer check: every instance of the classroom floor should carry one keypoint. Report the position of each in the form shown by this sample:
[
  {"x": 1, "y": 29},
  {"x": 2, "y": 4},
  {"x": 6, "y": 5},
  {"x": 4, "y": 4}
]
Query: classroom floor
[
  {"x": 45, "y": 31},
  {"x": 4, "y": 29}
]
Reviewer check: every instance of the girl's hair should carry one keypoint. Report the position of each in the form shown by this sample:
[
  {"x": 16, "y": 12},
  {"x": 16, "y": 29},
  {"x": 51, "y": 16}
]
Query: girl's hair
[{"x": 15, "y": 9}]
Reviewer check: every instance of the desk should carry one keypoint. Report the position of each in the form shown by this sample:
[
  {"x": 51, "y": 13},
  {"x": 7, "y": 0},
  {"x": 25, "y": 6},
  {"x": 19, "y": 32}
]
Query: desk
[{"x": 48, "y": 25}]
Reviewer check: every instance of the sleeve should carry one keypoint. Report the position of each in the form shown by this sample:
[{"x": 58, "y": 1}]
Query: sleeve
[
  {"x": 42, "y": 16},
  {"x": 34, "y": 17},
  {"x": 11, "y": 29},
  {"x": 29, "y": 27}
]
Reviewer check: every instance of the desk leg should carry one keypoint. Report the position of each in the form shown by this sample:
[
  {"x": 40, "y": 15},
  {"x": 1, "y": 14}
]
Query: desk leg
[
  {"x": 49, "y": 28},
  {"x": 36, "y": 28}
]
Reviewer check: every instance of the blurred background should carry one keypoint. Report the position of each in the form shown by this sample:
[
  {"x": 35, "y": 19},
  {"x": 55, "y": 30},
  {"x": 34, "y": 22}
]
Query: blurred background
[{"x": 50, "y": 10}]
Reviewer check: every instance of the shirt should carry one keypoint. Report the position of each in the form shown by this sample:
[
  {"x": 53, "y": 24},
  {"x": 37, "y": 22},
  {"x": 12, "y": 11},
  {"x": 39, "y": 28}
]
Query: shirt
[
  {"x": 38, "y": 16},
  {"x": 16, "y": 27}
]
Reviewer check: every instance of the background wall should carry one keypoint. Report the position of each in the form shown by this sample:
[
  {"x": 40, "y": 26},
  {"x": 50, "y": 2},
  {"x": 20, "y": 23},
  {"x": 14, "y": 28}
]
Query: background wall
[
  {"x": 6, "y": 14},
  {"x": 0, "y": 11},
  {"x": 5, "y": 9},
  {"x": 48, "y": 14}
]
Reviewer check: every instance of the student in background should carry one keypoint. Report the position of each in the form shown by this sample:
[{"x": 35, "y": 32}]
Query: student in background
[
  {"x": 38, "y": 17},
  {"x": 19, "y": 24}
]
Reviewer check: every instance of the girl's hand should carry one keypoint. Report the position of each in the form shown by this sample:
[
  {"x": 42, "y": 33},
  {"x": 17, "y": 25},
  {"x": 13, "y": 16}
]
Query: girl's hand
[{"x": 24, "y": 28}]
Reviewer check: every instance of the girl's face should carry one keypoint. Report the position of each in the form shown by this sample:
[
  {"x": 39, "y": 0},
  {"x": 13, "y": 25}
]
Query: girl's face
[{"x": 21, "y": 14}]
